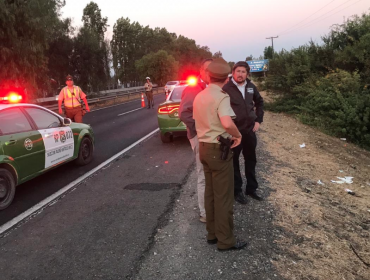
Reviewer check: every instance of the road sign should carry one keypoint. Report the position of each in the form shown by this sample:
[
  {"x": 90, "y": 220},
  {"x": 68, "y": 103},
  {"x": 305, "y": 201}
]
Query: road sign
[{"x": 259, "y": 65}]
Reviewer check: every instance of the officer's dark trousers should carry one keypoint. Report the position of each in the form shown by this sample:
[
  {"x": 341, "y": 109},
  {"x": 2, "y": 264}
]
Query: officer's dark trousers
[
  {"x": 218, "y": 195},
  {"x": 248, "y": 147}
]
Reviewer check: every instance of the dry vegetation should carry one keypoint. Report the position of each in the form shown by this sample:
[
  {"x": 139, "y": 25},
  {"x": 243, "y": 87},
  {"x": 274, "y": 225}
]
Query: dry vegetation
[{"x": 327, "y": 229}]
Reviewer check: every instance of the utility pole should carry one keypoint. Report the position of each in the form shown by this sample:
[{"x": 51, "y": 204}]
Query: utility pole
[{"x": 272, "y": 42}]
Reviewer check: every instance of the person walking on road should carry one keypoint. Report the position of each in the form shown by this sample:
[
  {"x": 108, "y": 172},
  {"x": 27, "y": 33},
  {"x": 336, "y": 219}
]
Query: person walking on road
[
  {"x": 186, "y": 116},
  {"x": 213, "y": 118},
  {"x": 247, "y": 104},
  {"x": 72, "y": 96},
  {"x": 149, "y": 92}
]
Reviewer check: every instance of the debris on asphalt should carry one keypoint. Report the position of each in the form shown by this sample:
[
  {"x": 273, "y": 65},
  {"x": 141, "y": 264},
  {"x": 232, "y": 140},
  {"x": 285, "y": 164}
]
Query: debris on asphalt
[
  {"x": 350, "y": 191},
  {"x": 302, "y": 145}
]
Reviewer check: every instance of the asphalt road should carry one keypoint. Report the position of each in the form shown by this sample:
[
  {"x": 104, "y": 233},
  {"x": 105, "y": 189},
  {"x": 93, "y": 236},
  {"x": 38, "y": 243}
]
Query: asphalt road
[
  {"x": 113, "y": 133},
  {"x": 103, "y": 228}
]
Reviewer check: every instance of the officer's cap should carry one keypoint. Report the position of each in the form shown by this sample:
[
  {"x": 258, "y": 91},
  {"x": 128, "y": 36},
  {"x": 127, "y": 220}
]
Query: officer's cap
[
  {"x": 219, "y": 68},
  {"x": 147, "y": 78},
  {"x": 241, "y": 64},
  {"x": 69, "y": 78}
]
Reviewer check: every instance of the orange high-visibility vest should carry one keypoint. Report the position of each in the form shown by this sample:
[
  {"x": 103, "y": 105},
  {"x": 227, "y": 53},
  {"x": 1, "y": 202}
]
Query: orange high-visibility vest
[{"x": 70, "y": 100}]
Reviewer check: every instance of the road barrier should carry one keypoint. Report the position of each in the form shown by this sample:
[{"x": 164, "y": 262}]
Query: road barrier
[{"x": 114, "y": 96}]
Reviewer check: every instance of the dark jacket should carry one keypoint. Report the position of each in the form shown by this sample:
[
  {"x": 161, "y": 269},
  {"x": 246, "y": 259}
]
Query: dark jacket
[
  {"x": 186, "y": 107},
  {"x": 246, "y": 115}
]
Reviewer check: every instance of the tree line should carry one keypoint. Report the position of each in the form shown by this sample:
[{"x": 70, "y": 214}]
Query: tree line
[
  {"x": 38, "y": 48},
  {"x": 327, "y": 85}
]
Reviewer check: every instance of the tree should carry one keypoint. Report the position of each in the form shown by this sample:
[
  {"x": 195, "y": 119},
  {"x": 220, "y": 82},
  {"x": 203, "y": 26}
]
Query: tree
[
  {"x": 160, "y": 66},
  {"x": 268, "y": 53},
  {"x": 248, "y": 58},
  {"x": 217, "y": 54},
  {"x": 59, "y": 54},
  {"x": 131, "y": 41},
  {"x": 231, "y": 64},
  {"x": 93, "y": 20},
  {"x": 24, "y": 40},
  {"x": 90, "y": 56}
]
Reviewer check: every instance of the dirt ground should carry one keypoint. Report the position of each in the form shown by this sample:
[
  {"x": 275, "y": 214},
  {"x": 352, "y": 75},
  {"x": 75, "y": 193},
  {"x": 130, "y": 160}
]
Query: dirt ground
[{"x": 327, "y": 230}]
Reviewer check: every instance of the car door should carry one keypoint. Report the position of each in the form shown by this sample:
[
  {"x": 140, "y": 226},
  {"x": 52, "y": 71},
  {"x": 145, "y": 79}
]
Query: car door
[
  {"x": 20, "y": 141},
  {"x": 58, "y": 139}
]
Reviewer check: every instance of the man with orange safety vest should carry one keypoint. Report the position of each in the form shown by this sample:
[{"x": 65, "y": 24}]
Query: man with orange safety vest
[{"x": 72, "y": 96}]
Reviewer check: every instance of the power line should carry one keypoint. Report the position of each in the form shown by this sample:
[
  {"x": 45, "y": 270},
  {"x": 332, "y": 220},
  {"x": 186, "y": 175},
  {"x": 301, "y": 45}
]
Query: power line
[
  {"x": 308, "y": 24},
  {"x": 307, "y": 17},
  {"x": 320, "y": 16}
]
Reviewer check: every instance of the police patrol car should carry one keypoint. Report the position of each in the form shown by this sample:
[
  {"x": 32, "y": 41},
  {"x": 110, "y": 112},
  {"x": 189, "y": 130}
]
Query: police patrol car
[{"x": 34, "y": 140}]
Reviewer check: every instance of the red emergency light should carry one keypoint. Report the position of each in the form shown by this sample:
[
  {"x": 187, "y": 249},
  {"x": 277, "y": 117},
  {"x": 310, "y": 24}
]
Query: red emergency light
[
  {"x": 192, "y": 81},
  {"x": 12, "y": 97}
]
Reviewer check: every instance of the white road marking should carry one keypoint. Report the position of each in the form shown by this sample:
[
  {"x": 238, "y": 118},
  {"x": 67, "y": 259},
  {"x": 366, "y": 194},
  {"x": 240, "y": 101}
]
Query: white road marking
[
  {"x": 49, "y": 200},
  {"x": 129, "y": 112},
  {"x": 136, "y": 100}
]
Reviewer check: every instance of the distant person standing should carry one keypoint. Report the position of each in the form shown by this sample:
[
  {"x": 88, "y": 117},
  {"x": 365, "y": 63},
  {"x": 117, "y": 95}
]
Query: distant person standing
[
  {"x": 213, "y": 119},
  {"x": 247, "y": 104},
  {"x": 73, "y": 97},
  {"x": 186, "y": 116},
  {"x": 149, "y": 92}
]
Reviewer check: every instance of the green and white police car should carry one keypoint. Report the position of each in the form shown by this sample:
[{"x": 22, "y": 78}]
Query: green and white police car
[{"x": 34, "y": 140}]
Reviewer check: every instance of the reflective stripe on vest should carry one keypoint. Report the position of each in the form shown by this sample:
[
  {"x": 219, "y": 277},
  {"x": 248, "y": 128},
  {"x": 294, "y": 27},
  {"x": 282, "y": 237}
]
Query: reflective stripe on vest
[{"x": 70, "y": 100}]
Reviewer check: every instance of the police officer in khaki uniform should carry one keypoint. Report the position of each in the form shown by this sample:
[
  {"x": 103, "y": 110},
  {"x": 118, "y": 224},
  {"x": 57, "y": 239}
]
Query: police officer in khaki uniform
[
  {"x": 149, "y": 92},
  {"x": 213, "y": 117}
]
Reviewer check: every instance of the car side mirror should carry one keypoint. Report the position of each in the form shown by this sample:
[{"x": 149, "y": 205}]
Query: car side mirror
[{"x": 67, "y": 122}]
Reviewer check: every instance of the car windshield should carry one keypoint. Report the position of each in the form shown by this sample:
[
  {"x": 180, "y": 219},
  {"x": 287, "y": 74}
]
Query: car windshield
[
  {"x": 176, "y": 94},
  {"x": 171, "y": 83}
]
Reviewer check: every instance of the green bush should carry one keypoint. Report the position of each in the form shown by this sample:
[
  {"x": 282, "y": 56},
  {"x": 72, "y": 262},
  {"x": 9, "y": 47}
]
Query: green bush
[{"x": 328, "y": 86}]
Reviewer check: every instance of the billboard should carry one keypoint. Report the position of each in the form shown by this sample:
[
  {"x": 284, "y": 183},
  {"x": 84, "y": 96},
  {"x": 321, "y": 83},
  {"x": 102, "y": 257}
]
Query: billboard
[{"x": 258, "y": 65}]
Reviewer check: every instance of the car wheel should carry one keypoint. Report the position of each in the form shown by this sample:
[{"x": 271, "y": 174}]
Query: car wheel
[
  {"x": 7, "y": 188},
  {"x": 85, "y": 154},
  {"x": 166, "y": 138}
]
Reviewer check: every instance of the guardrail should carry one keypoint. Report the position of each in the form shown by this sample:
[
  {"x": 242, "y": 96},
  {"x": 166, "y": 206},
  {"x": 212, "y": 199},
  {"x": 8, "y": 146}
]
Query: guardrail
[{"x": 110, "y": 97}]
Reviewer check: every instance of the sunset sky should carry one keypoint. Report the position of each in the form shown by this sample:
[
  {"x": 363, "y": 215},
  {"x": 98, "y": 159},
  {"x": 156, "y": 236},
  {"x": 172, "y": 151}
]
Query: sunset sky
[{"x": 237, "y": 28}]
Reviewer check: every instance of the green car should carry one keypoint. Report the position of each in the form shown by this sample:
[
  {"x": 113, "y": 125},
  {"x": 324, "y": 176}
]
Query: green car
[
  {"x": 168, "y": 116},
  {"x": 34, "y": 140}
]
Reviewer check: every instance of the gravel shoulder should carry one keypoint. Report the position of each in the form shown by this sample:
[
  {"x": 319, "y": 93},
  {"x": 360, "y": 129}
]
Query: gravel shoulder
[
  {"x": 181, "y": 251},
  {"x": 303, "y": 229}
]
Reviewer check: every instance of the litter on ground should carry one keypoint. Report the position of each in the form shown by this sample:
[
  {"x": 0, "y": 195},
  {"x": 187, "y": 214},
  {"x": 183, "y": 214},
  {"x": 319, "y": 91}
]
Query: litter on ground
[
  {"x": 347, "y": 180},
  {"x": 350, "y": 191}
]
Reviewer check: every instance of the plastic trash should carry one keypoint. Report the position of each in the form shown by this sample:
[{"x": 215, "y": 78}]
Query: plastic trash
[
  {"x": 302, "y": 145},
  {"x": 347, "y": 180},
  {"x": 350, "y": 191},
  {"x": 343, "y": 139},
  {"x": 320, "y": 183}
]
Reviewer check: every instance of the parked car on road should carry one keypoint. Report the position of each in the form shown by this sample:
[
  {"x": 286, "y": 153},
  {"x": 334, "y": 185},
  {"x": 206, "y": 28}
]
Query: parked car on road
[
  {"x": 168, "y": 115},
  {"x": 34, "y": 140},
  {"x": 170, "y": 86}
]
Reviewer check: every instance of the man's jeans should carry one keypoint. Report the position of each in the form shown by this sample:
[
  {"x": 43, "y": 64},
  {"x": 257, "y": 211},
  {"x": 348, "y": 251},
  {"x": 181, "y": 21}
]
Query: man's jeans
[{"x": 200, "y": 172}]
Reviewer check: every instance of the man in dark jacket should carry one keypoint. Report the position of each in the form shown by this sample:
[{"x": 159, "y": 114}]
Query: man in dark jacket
[
  {"x": 247, "y": 104},
  {"x": 186, "y": 116}
]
